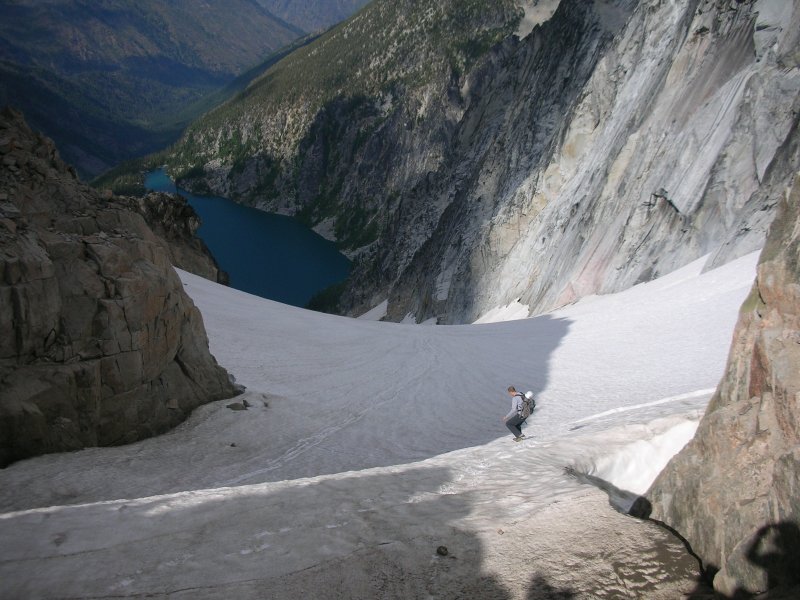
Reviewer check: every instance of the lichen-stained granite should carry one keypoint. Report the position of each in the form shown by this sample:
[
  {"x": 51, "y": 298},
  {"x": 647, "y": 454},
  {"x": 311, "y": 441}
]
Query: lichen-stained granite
[{"x": 734, "y": 491}]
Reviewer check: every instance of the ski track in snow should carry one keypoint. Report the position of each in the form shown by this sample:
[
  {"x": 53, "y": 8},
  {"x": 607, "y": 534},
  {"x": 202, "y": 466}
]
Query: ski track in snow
[
  {"x": 364, "y": 434},
  {"x": 696, "y": 394}
]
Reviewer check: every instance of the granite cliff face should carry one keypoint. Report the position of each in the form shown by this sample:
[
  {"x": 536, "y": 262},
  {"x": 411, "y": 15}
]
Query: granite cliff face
[
  {"x": 734, "y": 491},
  {"x": 99, "y": 344},
  {"x": 617, "y": 141}
]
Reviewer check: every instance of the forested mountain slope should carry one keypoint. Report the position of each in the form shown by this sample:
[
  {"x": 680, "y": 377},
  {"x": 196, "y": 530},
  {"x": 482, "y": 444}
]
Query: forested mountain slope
[{"x": 112, "y": 79}]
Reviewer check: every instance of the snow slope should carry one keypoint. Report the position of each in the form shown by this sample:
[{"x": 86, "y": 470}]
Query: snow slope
[{"x": 367, "y": 444}]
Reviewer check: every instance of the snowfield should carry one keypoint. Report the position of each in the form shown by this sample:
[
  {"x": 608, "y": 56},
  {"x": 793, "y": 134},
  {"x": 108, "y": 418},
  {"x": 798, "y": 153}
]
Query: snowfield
[{"x": 367, "y": 445}]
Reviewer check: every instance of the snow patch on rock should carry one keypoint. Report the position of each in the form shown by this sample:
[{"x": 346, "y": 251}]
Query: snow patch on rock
[
  {"x": 376, "y": 313},
  {"x": 510, "y": 312},
  {"x": 536, "y": 13}
]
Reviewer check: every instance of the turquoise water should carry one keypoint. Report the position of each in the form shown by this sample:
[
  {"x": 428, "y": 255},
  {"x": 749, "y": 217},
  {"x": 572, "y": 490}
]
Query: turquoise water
[{"x": 269, "y": 255}]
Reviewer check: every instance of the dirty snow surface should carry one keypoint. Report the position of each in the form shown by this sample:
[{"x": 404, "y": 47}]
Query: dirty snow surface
[{"x": 368, "y": 445}]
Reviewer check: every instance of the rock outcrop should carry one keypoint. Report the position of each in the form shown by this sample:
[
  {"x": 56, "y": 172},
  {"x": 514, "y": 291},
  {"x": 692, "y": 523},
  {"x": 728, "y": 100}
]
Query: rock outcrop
[
  {"x": 99, "y": 344},
  {"x": 734, "y": 491},
  {"x": 173, "y": 220}
]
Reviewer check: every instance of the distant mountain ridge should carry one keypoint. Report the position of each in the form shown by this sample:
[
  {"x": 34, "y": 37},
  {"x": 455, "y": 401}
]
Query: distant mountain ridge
[
  {"x": 112, "y": 79},
  {"x": 313, "y": 15}
]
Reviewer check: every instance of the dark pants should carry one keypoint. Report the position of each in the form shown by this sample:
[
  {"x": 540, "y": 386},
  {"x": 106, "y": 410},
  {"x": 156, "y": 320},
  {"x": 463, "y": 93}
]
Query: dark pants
[{"x": 514, "y": 425}]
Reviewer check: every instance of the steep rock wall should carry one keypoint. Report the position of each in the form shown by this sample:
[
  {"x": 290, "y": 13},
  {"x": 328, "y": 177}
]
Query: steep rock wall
[
  {"x": 734, "y": 491},
  {"x": 99, "y": 344},
  {"x": 676, "y": 144}
]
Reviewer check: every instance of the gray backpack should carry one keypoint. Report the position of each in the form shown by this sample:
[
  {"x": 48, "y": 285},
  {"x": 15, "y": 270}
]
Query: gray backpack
[{"x": 528, "y": 404}]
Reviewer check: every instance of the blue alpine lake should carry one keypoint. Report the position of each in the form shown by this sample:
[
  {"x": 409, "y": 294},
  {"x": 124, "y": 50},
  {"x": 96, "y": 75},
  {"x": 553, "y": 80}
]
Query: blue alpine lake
[{"x": 269, "y": 255}]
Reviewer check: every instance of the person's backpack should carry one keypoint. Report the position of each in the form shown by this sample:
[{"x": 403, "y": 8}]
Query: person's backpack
[{"x": 528, "y": 404}]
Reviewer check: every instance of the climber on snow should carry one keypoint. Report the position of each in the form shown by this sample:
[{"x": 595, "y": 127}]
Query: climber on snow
[{"x": 521, "y": 407}]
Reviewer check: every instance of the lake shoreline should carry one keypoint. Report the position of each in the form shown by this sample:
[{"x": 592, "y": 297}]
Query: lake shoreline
[{"x": 270, "y": 255}]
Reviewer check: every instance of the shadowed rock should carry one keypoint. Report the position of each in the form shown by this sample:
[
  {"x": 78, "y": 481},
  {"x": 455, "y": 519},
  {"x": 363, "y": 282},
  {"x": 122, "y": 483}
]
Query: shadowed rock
[
  {"x": 172, "y": 218},
  {"x": 99, "y": 344}
]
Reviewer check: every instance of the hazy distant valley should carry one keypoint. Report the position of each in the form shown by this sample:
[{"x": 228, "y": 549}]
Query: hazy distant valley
[{"x": 112, "y": 80}]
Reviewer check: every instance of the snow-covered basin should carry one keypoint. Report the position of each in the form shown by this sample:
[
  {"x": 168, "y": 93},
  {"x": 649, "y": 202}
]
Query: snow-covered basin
[{"x": 365, "y": 432}]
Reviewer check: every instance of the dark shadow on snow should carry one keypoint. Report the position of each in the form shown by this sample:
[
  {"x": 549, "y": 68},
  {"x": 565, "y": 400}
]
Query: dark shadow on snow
[
  {"x": 775, "y": 548},
  {"x": 540, "y": 589},
  {"x": 356, "y": 536}
]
